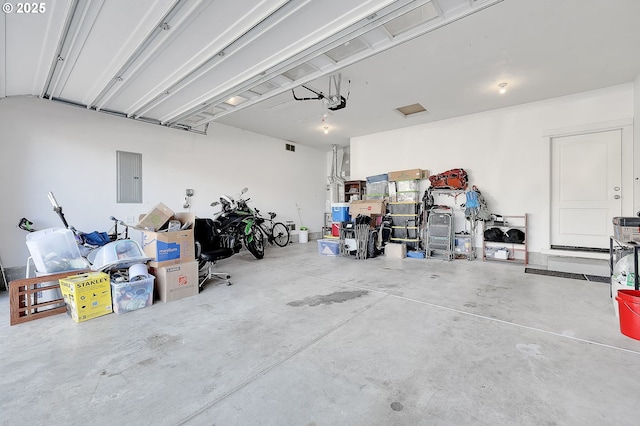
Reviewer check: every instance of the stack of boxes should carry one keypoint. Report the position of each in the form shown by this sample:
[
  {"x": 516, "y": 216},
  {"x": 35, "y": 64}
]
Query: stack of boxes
[
  {"x": 399, "y": 193},
  {"x": 374, "y": 204},
  {"x": 339, "y": 214},
  {"x": 173, "y": 251},
  {"x": 404, "y": 206},
  {"x": 167, "y": 238}
]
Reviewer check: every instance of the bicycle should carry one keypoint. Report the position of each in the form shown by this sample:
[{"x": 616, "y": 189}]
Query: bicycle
[{"x": 275, "y": 232}]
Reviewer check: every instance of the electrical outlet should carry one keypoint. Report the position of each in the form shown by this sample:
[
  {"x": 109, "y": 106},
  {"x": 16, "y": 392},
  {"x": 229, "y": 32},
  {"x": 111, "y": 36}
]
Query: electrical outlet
[
  {"x": 189, "y": 192},
  {"x": 130, "y": 219}
]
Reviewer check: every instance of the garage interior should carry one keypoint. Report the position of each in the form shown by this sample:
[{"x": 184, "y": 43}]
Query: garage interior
[{"x": 208, "y": 95}]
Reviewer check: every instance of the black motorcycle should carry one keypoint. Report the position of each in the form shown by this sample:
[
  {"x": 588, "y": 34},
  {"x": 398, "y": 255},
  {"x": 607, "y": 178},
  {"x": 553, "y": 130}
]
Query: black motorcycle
[{"x": 237, "y": 225}]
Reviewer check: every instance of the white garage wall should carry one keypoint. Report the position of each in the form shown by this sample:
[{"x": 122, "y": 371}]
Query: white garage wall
[
  {"x": 636, "y": 143},
  {"x": 48, "y": 146},
  {"x": 503, "y": 151}
]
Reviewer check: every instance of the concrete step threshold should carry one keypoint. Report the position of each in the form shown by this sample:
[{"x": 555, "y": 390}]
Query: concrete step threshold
[{"x": 575, "y": 264}]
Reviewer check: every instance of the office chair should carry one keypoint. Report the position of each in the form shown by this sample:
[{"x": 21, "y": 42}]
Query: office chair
[{"x": 208, "y": 251}]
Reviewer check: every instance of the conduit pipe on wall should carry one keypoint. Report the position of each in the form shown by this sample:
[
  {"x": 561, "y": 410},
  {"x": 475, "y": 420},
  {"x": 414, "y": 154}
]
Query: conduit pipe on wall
[{"x": 335, "y": 181}]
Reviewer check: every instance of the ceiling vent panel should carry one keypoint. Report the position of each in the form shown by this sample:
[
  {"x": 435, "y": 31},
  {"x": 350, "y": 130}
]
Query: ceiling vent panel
[
  {"x": 412, "y": 19},
  {"x": 412, "y": 109},
  {"x": 347, "y": 49},
  {"x": 265, "y": 87},
  {"x": 214, "y": 110},
  {"x": 299, "y": 72}
]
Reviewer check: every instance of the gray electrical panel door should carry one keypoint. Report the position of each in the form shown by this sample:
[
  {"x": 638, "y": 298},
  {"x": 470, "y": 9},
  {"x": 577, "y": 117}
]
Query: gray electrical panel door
[{"x": 129, "y": 175}]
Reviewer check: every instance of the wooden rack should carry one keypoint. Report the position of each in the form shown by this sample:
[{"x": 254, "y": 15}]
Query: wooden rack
[{"x": 23, "y": 301}]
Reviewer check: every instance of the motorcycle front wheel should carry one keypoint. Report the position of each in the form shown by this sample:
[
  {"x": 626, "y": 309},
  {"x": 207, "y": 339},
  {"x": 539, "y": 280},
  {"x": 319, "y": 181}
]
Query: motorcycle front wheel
[{"x": 256, "y": 245}]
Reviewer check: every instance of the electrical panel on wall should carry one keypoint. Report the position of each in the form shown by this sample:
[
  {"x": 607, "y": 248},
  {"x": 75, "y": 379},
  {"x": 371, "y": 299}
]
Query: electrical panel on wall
[{"x": 129, "y": 176}]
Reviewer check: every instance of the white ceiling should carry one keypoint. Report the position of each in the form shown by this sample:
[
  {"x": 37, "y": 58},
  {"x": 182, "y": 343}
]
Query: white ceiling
[{"x": 178, "y": 63}]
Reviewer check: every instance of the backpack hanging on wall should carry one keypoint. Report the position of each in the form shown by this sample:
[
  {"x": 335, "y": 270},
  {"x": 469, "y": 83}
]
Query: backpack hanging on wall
[
  {"x": 451, "y": 179},
  {"x": 476, "y": 206}
]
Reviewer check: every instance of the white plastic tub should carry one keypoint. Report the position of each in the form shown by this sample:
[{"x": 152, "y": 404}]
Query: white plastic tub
[{"x": 55, "y": 250}]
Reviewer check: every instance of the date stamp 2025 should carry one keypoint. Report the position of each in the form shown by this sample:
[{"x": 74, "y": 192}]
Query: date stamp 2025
[{"x": 24, "y": 8}]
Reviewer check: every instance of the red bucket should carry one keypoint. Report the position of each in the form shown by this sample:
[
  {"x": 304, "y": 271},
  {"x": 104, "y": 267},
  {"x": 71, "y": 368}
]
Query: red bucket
[{"x": 629, "y": 308}]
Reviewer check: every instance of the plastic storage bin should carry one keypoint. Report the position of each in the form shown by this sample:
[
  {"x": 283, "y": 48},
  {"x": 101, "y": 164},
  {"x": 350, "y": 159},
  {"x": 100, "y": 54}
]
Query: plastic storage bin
[
  {"x": 407, "y": 185},
  {"x": 378, "y": 178},
  {"x": 407, "y": 196},
  {"x": 377, "y": 190},
  {"x": 55, "y": 250},
  {"x": 329, "y": 247},
  {"x": 403, "y": 208},
  {"x": 132, "y": 295},
  {"x": 626, "y": 229},
  {"x": 118, "y": 254}
]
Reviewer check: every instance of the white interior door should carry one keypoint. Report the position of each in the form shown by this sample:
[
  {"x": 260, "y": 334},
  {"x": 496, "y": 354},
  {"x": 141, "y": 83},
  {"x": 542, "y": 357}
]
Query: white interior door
[{"x": 585, "y": 188}]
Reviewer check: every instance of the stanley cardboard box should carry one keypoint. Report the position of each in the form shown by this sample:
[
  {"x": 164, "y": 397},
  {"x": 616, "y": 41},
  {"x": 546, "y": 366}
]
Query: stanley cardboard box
[
  {"x": 87, "y": 295},
  {"x": 170, "y": 248},
  {"x": 174, "y": 282}
]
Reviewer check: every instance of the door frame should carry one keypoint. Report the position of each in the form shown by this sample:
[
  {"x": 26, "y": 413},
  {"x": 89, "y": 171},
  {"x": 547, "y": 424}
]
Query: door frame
[{"x": 630, "y": 184}]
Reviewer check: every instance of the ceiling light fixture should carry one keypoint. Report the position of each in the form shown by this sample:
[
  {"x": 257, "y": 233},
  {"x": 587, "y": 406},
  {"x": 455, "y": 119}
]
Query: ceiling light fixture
[
  {"x": 235, "y": 100},
  {"x": 325, "y": 126},
  {"x": 503, "y": 88}
]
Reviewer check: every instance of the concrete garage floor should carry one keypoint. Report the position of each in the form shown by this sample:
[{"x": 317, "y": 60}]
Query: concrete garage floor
[{"x": 304, "y": 339}]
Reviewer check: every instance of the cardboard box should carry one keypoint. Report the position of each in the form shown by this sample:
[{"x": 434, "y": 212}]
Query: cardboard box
[
  {"x": 176, "y": 282},
  {"x": 502, "y": 254},
  {"x": 132, "y": 295},
  {"x": 406, "y": 174},
  {"x": 367, "y": 207},
  {"x": 395, "y": 250},
  {"x": 156, "y": 218},
  {"x": 87, "y": 295},
  {"x": 170, "y": 248}
]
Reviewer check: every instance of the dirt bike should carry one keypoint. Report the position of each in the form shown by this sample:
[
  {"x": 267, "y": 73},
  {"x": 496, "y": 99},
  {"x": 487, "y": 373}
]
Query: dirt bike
[{"x": 237, "y": 225}]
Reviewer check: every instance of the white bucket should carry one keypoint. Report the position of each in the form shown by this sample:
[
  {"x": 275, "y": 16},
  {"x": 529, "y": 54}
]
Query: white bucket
[{"x": 303, "y": 236}]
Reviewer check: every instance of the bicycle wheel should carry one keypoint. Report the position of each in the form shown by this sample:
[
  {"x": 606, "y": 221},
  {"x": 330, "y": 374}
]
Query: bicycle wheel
[{"x": 280, "y": 234}]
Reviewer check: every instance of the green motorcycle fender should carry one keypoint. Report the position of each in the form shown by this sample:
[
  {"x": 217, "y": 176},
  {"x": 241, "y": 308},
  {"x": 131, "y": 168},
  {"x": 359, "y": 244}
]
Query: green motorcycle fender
[{"x": 248, "y": 225}]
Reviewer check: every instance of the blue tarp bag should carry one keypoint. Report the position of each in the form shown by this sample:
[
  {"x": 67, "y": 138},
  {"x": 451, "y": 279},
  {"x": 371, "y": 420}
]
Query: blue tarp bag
[{"x": 96, "y": 238}]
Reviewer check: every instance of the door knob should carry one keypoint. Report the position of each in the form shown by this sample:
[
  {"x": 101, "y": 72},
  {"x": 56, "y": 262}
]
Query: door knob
[{"x": 616, "y": 197}]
